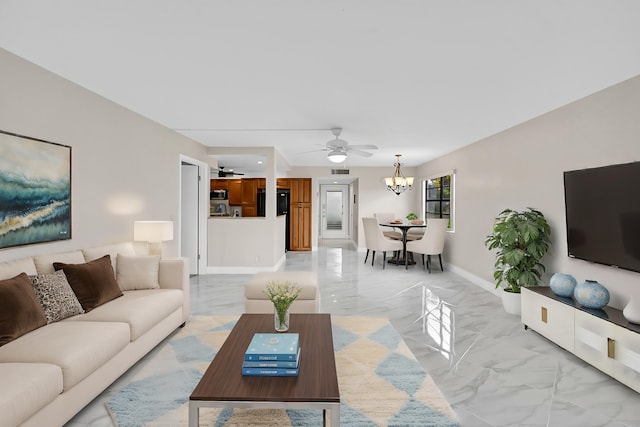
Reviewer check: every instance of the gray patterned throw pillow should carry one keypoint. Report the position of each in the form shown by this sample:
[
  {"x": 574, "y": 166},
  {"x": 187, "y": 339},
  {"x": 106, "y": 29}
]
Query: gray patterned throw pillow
[{"x": 56, "y": 296}]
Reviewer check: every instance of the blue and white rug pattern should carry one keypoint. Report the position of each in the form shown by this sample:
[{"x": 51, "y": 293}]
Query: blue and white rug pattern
[{"x": 381, "y": 383}]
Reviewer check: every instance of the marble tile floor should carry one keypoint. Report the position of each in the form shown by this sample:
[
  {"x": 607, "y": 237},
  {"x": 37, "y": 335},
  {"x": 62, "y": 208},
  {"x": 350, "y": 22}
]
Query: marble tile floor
[{"x": 492, "y": 371}]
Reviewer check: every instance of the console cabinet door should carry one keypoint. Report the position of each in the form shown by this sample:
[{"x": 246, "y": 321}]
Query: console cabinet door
[
  {"x": 593, "y": 341},
  {"x": 627, "y": 357},
  {"x": 551, "y": 319}
]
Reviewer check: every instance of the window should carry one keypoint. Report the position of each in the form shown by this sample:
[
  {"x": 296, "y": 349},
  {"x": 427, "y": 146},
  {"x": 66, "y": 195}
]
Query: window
[{"x": 438, "y": 198}]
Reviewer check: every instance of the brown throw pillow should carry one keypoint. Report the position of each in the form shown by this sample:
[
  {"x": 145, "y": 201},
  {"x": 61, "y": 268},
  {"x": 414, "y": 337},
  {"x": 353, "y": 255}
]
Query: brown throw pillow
[
  {"x": 20, "y": 311},
  {"x": 93, "y": 282}
]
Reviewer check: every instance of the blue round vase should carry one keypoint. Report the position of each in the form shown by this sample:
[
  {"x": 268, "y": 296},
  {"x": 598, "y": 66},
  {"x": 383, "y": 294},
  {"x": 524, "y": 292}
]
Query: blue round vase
[
  {"x": 562, "y": 284},
  {"x": 591, "y": 294}
]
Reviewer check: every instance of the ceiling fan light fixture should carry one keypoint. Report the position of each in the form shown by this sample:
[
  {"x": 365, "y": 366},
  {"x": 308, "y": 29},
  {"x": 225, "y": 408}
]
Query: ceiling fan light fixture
[{"x": 336, "y": 156}]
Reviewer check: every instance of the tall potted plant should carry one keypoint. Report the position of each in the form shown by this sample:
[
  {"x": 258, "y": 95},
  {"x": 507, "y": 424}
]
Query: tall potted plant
[{"x": 522, "y": 239}]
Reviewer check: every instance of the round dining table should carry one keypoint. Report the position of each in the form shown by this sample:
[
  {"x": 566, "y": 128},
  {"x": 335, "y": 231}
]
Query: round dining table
[{"x": 404, "y": 228}]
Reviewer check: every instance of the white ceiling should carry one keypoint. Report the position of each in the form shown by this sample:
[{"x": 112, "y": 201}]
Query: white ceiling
[{"x": 421, "y": 78}]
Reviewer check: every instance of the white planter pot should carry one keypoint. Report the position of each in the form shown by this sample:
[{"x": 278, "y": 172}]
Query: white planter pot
[
  {"x": 631, "y": 311},
  {"x": 511, "y": 302}
]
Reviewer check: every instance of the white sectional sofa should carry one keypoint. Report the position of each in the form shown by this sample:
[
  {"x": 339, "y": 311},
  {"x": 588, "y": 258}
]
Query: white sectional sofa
[{"x": 50, "y": 373}]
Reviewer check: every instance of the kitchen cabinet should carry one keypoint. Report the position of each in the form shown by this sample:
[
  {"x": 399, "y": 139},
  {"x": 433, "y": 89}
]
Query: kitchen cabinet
[
  {"x": 235, "y": 192},
  {"x": 282, "y": 182},
  {"x": 300, "y": 227},
  {"x": 602, "y": 338},
  {"x": 219, "y": 184},
  {"x": 300, "y": 190},
  {"x": 300, "y": 214},
  {"x": 244, "y": 192},
  {"x": 249, "y": 191},
  {"x": 249, "y": 197},
  {"x": 249, "y": 210}
]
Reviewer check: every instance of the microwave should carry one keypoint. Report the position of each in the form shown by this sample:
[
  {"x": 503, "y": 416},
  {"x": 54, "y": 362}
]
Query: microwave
[{"x": 219, "y": 195}]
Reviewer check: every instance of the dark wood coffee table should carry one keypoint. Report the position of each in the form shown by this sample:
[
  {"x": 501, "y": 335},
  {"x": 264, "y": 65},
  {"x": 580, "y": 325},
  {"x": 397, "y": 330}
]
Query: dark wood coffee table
[{"x": 316, "y": 387}]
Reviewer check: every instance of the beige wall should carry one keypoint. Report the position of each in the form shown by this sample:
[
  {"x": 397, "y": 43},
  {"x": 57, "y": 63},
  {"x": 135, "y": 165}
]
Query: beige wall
[
  {"x": 523, "y": 167},
  {"x": 124, "y": 166},
  {"x": 370, "y": 191}
]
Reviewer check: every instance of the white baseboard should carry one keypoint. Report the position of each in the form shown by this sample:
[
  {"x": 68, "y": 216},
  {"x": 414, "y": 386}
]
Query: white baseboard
[
  {"x": 244, "y": 269},
  {"x": 484, "y": 284}
]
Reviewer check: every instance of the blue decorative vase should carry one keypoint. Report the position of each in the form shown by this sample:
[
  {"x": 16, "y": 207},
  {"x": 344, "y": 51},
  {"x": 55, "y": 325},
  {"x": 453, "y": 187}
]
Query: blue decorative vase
[
  {"x": 562, "y": 284},
  {"x": 591, "y": 294}
]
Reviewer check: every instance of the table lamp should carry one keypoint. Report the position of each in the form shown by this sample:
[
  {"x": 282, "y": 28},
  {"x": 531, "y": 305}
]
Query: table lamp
[{"x": 154, "y": 233}]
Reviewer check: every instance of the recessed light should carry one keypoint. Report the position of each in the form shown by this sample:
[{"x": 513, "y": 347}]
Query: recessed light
[{"x": 259, "y": 162}]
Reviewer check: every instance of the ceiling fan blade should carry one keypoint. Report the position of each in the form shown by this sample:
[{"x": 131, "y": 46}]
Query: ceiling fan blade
[
  {"x": 314, "y": 151},
  {"x": 364, "y": 147},
  {"x": 360, "y": 153}
]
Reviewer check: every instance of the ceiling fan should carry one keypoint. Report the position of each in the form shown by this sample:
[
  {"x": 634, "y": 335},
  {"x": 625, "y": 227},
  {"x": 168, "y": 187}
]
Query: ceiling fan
[
  {"x": 223, "y": 173},
  {"x": 339, "y": 148}
]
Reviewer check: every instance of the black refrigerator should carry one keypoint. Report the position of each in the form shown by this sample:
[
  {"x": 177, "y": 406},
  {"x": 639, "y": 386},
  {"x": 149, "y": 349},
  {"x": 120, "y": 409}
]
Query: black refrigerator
[{"x": 282, "y": 208}]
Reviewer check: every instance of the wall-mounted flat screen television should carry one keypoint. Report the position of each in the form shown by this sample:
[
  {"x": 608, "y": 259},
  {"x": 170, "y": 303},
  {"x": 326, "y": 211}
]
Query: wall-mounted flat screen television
[{"x": 602, "y": 208}]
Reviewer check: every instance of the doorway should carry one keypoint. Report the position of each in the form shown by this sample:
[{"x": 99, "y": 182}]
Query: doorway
[
  {"x": 194, "y": 205},
  {"x": 334, "y": 208}
]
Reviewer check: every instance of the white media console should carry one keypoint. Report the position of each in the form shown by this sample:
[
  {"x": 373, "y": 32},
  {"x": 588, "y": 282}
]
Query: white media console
[{"x": 602, "y": 338}]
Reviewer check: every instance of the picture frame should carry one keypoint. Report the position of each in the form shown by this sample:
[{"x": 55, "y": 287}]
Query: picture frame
[{"x": 35, "y": 190}]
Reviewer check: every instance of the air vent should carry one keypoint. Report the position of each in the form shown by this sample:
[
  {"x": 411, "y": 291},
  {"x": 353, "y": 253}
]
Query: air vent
[{"x": 339, "y": 171}]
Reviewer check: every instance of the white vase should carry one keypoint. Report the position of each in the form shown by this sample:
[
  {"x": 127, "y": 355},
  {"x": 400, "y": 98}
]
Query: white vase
[
  {"x": 511, "y": 302},
  {"x": 631, "y": 311}
]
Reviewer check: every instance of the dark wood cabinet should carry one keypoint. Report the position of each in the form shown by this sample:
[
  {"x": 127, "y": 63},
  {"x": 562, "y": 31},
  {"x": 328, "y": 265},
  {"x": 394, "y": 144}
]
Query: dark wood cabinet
[
  {"x": 219, "y": 184},
  {"x": 249, "y": 191},
  {"x": 282, "y": 182},
  {"x": 249, "y": 197},
  {"x": 300, "y": 190},
  {"x": 235, "y": 192},
  {"x": 300, "y": 214}
]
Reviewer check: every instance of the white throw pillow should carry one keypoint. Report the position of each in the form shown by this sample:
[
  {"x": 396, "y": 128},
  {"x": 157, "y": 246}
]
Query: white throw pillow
[{"x": 137, "y": 272}]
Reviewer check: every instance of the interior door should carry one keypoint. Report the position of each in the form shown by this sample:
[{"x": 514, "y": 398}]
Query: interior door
[{"x": 334, "y": 211}]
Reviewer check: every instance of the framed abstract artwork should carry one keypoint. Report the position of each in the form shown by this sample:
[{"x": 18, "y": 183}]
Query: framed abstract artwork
[{"x": 35, "y": 190}]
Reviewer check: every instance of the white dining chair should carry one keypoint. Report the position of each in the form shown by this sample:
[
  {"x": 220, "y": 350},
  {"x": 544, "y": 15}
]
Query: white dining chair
[
  {"x": 432, "y": 242},
  {"x": 376, "y": 241},
  {"x": 386, "y": 218}
]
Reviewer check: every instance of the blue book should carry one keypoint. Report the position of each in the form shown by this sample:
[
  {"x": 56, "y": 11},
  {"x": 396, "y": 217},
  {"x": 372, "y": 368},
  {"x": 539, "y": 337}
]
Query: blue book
[
  {"x": 272, "y": 347},
  {"x": 270, "y": 372},
  {"x": 272, "y": 364}
]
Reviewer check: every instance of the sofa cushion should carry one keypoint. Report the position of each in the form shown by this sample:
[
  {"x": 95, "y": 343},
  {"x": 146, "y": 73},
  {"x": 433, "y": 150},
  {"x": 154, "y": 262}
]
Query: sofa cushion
[
  {"x": 96, "y": 252},
  {"x": 44, "y": 263},
  {"x": 78, "y": 348},
  {"x": 138, "y": 272},
  {"x": 20, "y": 311},
  {"x": 9, "y": 269},
  {"x": 142, "y": 309},
  {"x": 27, "y": 388},
  {"x": 56, "y": 296},
  {"x": 92, "y": 282}
]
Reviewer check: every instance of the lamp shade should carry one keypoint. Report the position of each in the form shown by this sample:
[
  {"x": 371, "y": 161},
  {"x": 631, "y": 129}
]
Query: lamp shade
[
  {"x": 337, "y": 156},
  {"x": 153, "y": 231}
]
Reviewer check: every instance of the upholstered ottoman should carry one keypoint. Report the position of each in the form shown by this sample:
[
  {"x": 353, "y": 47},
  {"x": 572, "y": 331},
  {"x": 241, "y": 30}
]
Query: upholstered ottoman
[{"x": 307, "y": 302}]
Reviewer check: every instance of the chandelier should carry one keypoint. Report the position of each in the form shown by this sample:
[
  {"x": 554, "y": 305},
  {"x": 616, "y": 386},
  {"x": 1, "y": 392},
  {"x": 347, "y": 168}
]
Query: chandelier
[{"x": 398, "y": 183}]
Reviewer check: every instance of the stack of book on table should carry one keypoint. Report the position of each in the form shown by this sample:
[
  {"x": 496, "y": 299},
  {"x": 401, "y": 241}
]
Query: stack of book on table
[{"x": 276, "y": 355}]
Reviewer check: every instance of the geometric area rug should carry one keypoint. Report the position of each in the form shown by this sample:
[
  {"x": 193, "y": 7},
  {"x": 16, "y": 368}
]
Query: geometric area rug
[{"x": 381, "y": 383}]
